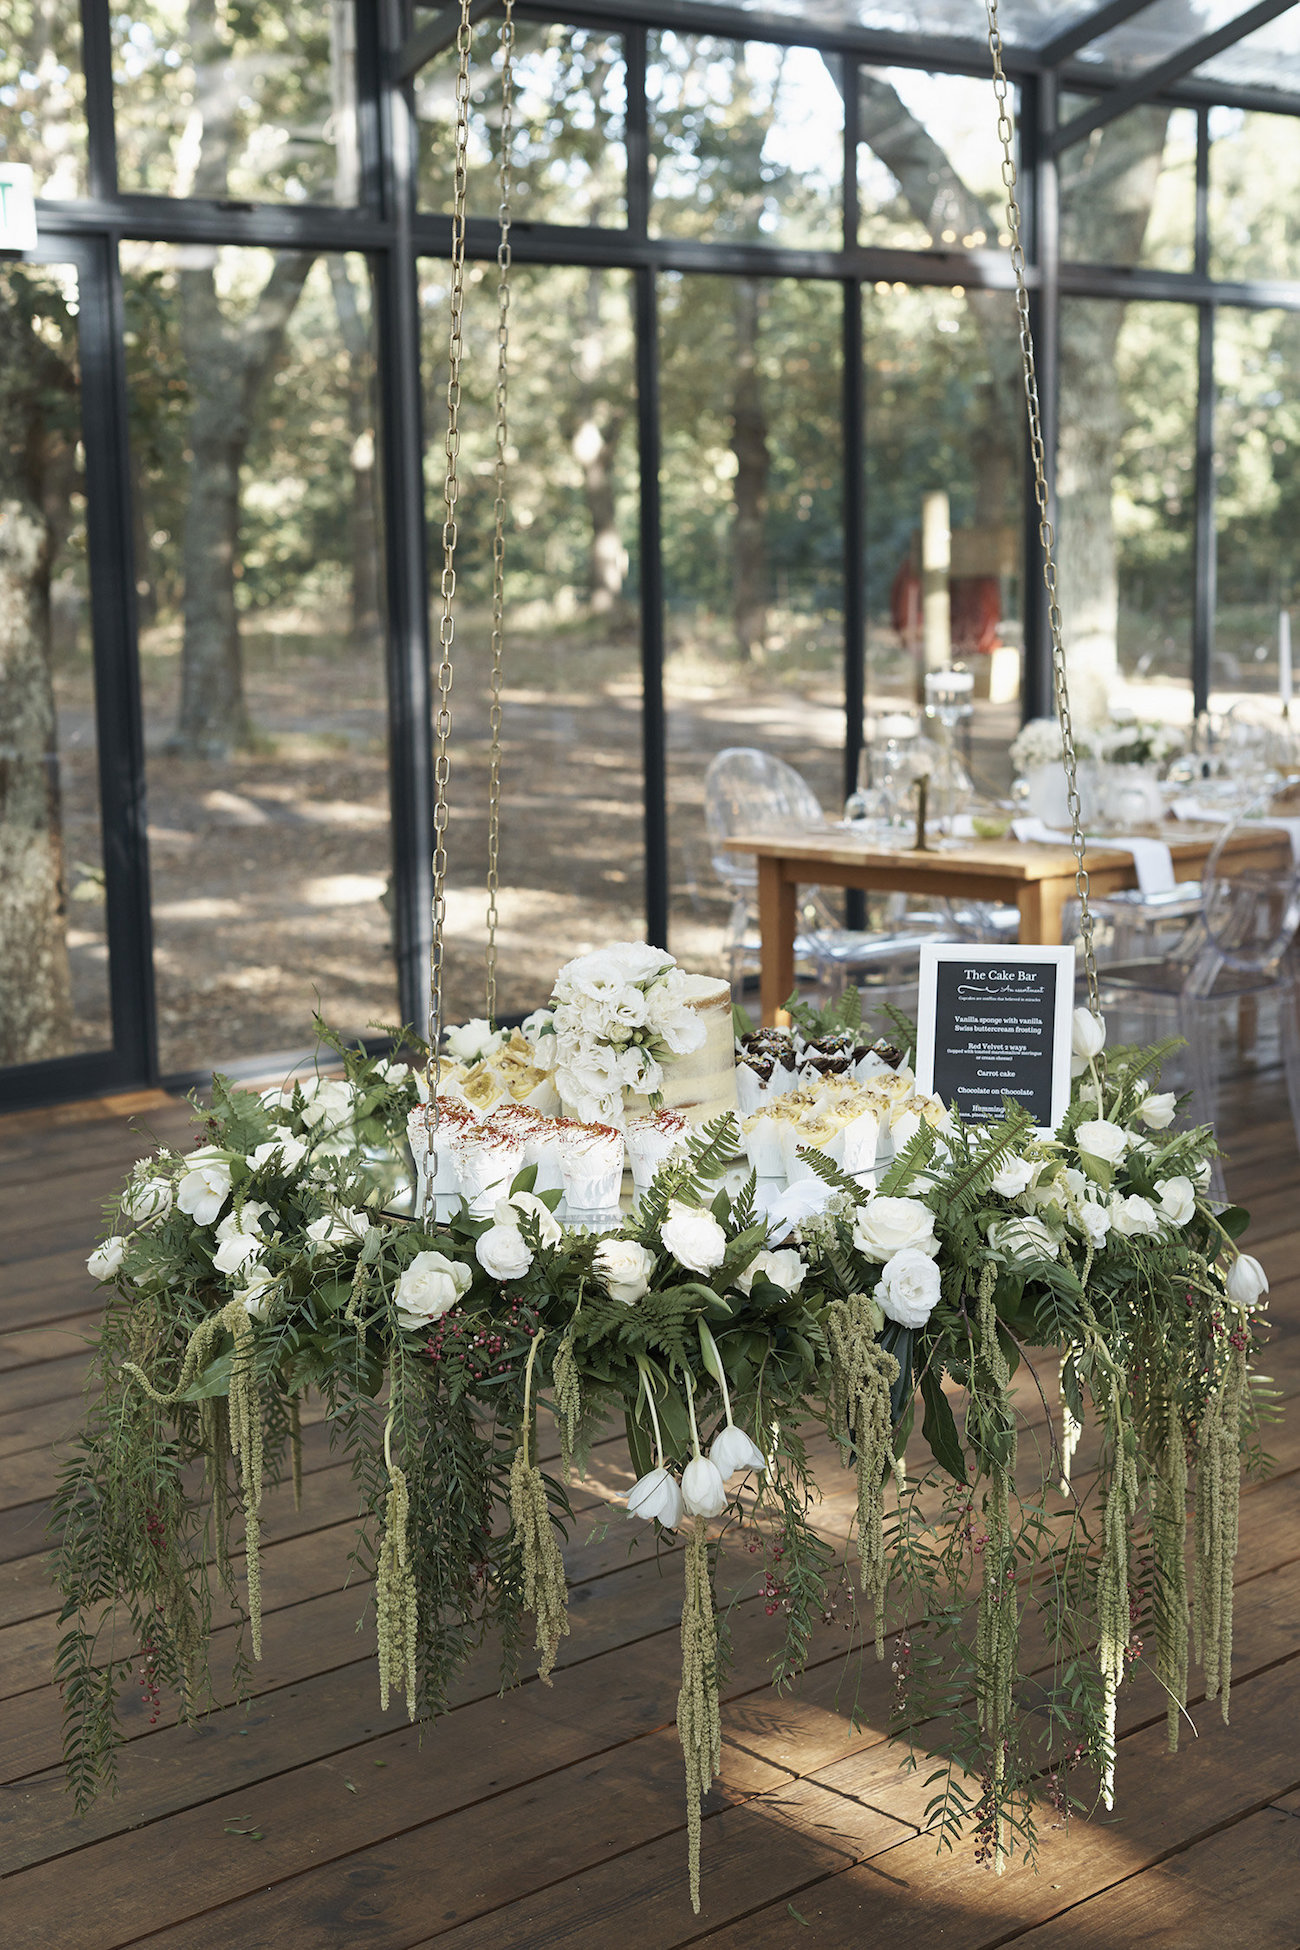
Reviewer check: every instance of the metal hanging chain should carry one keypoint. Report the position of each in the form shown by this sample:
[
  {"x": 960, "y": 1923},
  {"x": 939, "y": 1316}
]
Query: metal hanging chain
[
  {"x": 447, "y": 624},
  {"x": 499, "y": 505},
  {"x": 1046, "y": 537}
]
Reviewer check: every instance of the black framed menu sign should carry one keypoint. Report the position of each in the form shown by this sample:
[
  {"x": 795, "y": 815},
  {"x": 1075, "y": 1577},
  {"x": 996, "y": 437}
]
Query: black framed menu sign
[{"x": 993, "y": 1024}]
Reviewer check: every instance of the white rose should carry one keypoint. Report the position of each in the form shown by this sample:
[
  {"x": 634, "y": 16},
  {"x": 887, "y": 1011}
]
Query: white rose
[
  {"x": 147, "y": 1199},
  {"x": 255, "y": 1290},
  {"x": 285, "y": 1153},
  {"x": 473, "y": 1040},
  {"x": 205, "y": 1186},
  {"x": 1157, "y": 1110},
  {"x": 1247, "y": 1280},
  {"x": 625, "y": 1269},
  {"x": 1012, "y": 1178},
  {"x": 1024, "y": 1239},
  {"x": 334, "y": 1229},
  {"x": 1134, "y": 1218},
  {"x": 503, "y": 1253},
  {"x": 886, "y": 1226},
  {"x": 693, "y": 1237},
  {"x": 1095, "y": 1220},
  {"x": 909, "y": 1286},
  {"x": 1102, "y": 1140},
  {"x": 429, "y": 1287},
  {"x": 1177, "y": 1199},
  {"x": 785, "y": 1270},
  {"x": 329, "y": 1103},
  {"x": 509, "y": 1211},
  {"x": 107, "y": 1257}
]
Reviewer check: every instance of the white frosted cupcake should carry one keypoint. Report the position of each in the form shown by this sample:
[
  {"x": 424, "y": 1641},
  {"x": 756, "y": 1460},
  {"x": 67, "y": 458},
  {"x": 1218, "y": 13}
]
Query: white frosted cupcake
[
  {"x": 765, "y": 1142},
  {"x": 591, "y": 1160},
  {"x": 487, "y": 1159},
  {"x": 651, "y": 1140},
  {"x": 432, "y": 1147}
]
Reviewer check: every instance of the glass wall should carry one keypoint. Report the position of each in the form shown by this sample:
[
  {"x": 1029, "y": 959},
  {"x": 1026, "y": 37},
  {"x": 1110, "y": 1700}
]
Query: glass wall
[
  {"x": 251, "y": 381},
  {"x": 929, "y": 162},
  {"x": 54, "y": 998},
  {"x": 1257, "y": 498}
]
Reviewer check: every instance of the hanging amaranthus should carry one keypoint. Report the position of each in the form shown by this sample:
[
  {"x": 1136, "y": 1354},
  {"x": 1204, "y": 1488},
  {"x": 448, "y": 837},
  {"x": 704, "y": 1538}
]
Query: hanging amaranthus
[
  {"x": 699, "y": 1722},
  {"x": 395, "y": 1599},
  {"x": 545, "y": 1591},
  {"x": 566, "y": 1386},
  {"x": 1218, "y": 1494},
  {"x": 998, "y": 1627},
  {"x": 1169, "y": 1537},
  {"x": 1114, "y": 1619},
  {"x": 862, "y": 1375}
]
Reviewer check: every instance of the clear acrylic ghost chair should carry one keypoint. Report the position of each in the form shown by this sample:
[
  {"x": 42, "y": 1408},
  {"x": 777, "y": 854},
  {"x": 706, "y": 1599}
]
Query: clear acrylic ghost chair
[
  {"x": 1132, "y": 926},
  {"x": 1237, "y": 955},
  {"x": 750, "y": 791}
]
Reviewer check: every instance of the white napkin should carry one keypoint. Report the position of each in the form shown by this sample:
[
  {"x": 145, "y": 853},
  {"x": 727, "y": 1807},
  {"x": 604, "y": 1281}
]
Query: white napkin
[
  {"x": 1193, "y": 809},
  {"x": 1289, "y": 825},
  {"x": 1152, "y": 859}
]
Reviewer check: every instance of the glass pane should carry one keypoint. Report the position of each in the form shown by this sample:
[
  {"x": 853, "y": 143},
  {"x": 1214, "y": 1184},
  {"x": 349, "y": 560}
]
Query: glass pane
[
  {"x": 1128, "y": 190},
  {"x": 244, "y": 102},
  {"x": 746, "y": 140},
  {"x": 1268, "y": 58},
  {"x": 569, "y": 162},
  {"x": 1257, "y": 503},
  {"x": 572, "y": 851},
  {"x": 1158, "y": 30},
  {"x": 42, "y": 94},
  {"x": 753, "y": 555},
  {"x": 53, "y": 948},
  {"x": 929, "y": 162},
  {"x": 261, "y": 646},
  {"x": 1126, "y": 477},
  {"x": 945, "y": 459},
  {"x": 1254, "y": 195}
]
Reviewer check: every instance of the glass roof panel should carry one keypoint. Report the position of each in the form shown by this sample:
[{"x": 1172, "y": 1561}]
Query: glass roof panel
[
  {"x": 1268, "y": 59},
  {"x": 1159, "y": 31}
]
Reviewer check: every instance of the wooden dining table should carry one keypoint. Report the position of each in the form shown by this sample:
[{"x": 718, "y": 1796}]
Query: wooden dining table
[{"x": 1035, "y": 878}]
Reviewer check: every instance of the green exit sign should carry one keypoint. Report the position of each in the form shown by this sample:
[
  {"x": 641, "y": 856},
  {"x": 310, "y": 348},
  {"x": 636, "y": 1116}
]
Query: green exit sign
[{"x": 17, "y": 208}]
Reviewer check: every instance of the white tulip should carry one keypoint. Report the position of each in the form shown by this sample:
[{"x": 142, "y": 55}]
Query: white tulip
[
  {"x": 785, "y": 1270},
  {"x": 1157, "y": 1110},
  {"x": 147, "y": 1199},
  {"x": 429, "y": 1287},
  {"x": 909, "y": 1287},
  {"x": 885, "y": 1226},
  {"x": 693, "y": 1237},
  {"x": 732, "y": 1450},
  {"x": 625, "y": 1269},
  {"x": 1247, "y": 1280},
  {"x": 503, "y": 1252},
  {"x": 704, "y": 1494},
  {"x": 205, "y": 1186},
  {"x": 1177, "y": 1200},
  {"x": 284, "y": 1153},
  {"x": 1087, "y": 1034},
  {"x": 657, "y": 1497},
  {"x": 335, "y": 1229},
  {"x": 107, "y": 1257},
  {"x": 255, "y": 1290}
]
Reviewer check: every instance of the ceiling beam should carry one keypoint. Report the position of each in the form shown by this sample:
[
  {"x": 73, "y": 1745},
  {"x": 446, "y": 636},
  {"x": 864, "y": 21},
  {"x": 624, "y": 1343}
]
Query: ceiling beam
[
  {"x": 434, "y": 37},
  {"x": 1153, "y": 79},
  {"x": 1087, "y": 30}
]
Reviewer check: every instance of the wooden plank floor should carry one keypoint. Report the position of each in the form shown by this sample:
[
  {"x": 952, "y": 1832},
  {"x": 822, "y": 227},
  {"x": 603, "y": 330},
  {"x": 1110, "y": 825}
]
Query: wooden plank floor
[{"x": 555, "y": 1816}]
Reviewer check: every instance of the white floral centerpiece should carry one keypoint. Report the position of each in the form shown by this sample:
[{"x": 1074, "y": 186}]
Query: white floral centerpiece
[{"x": 617, "y": 1014}]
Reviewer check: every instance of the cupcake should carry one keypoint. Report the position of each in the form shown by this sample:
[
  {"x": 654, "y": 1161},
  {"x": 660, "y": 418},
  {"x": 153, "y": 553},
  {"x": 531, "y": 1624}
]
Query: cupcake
[
  {"x": 652, "y": 1139},
  {"x": 764, "y": 1143},
  {"x": 488, "y": 1159},
  {"x": 591, "y": 1161},
  {"x": 432, "y": 1147}
]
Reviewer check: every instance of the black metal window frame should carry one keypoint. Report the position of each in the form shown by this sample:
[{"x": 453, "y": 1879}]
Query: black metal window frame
[{"x": 394, "y": 233}]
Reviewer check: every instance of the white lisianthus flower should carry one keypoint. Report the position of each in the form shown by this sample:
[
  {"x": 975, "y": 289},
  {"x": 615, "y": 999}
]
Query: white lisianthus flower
[
  {"x": 205, "y": 1186},
  {"x": 732, "y": 1450},
  {"x": 1012, "y": 1178},
  {"x": 1102, "y": 1140},
  {"x": 588, "y": 1080},
  {"x": 625, "y": 1269},
  {"x": 284, "y": 1153},
  {"x": 255, "y": 1290},
  {"x": 1177, "y": 1199},
  {"x": 1134, "y": 1217},
  {"x": 503, "y": 1253},
  {"x": 885, "y": 1226},
  {"x": 785, "y": 1270},
  {"x": 656, "y": 1497},
  {"x": 670, "y": 1017},
  {"x": 429, "y": 1287},
  {"x": 622, "y": 961},
  {"x": 335, "y": 1229},
  {"x": 147, "y": 1199},
  {"x": 329, "y": 1103},
  {"x": 470, "y": 1041},
  {"x": 704, "y": 1493},
  {"x": 526, "y": 1205},
  {"x": 639, "y": 1071},
  {"x": 1157, "y": 1110},
  {"x": 1087, "y": 1038},
  {"x": 107, "y": 1257},
  {"x": 1247, "y": 1280},
  {"x": 1024, "y": 1239},
  {"x": 539, "y": 1031},
  {"x": 909, "y": 1286},
  {"x": 693, "y": 1237}
]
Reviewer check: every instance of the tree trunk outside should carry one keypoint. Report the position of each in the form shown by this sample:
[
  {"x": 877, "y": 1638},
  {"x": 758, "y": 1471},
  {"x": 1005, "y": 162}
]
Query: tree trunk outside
[
  {"x": 35, "y": 988},
  {"x": 749, "y": 489},
  {"x": 593, "y": 439},
  {"x": 367, "y": 599}
]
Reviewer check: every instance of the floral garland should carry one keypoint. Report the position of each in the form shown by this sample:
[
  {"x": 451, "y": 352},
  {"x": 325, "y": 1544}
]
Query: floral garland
[{"x": 261, "y": 1268}]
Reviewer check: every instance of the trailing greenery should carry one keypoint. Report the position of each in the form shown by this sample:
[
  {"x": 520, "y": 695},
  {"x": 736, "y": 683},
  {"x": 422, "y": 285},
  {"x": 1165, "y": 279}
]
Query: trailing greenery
[{"x": 260, "y": 1272}]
